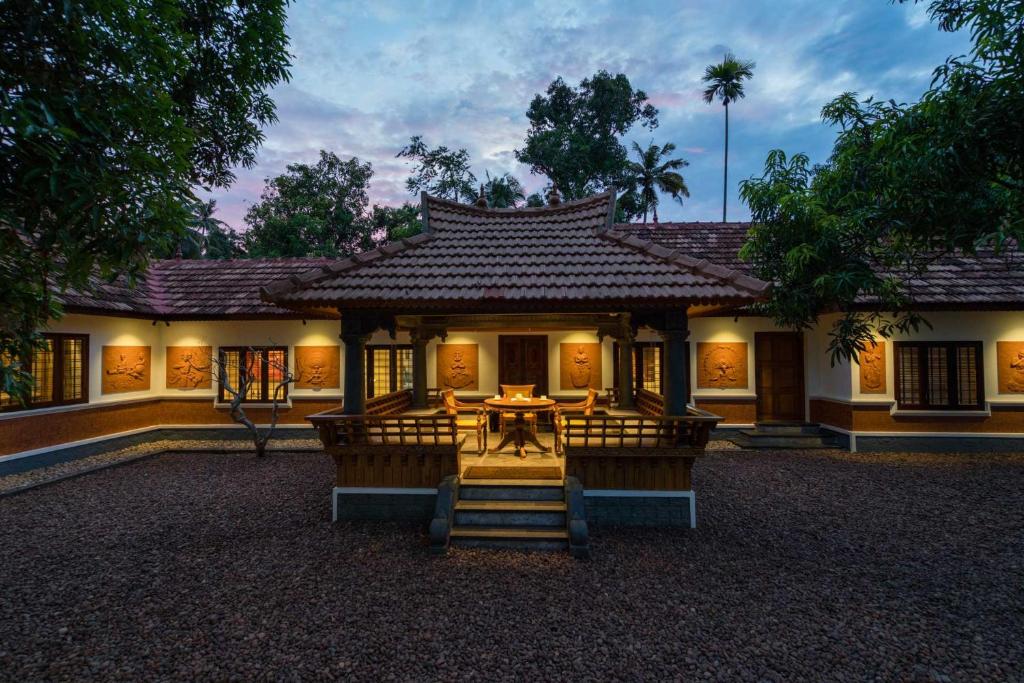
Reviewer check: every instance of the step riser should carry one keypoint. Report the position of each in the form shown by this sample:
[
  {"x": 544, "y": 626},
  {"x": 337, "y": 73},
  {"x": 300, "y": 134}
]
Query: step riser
[
  {"x": 510, "y": 544},
  {"x": 470, "y": 492},
  {"x": 508, "y": 518},
  {"x": 786, "y": 430},
  {"x": 744, "y": 442}
]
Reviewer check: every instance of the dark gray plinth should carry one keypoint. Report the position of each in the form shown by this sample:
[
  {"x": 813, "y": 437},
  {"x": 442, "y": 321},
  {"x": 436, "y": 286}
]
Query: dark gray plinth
[
  {"x": 384, "y": 504},
  {"x": 640, "y": 508}
]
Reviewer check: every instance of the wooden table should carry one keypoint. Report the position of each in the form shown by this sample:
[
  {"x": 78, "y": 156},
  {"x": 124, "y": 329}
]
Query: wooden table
[{"x": 519, "y": 432}]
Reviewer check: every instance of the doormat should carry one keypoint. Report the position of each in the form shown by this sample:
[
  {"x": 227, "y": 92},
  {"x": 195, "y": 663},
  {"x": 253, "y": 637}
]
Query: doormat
[{"x": 488, "y": 472}]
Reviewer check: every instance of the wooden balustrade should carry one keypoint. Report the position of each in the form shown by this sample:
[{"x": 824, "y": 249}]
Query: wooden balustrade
[{"x": 404, "y": 451}]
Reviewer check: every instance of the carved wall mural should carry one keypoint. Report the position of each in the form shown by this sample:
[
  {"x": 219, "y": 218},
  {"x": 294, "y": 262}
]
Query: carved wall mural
[
  {"x": 458, "y": 366},
  {"x": 317, "y": 367},
  {"x": 722, "y": 365},
  {"x": 189, "y": 367},
  {"x": 580, "y": 366},
  {"x": 1010, "y": 356},
  {"x": 125, "y": 368},
  {"x": 872, "y": 369}
]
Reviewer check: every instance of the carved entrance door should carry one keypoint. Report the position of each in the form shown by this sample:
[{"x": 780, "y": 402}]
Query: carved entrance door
[
  {"x": 523, "y": 359},
  {"x": 779, "y": 368}
]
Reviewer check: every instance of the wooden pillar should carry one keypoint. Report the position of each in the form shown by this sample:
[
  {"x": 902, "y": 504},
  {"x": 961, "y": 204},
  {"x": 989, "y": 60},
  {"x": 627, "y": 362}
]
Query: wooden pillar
[
  {"x": 355, "y": 332},
  {"x": 419, "y": 368},
  {"x": 677, "y": 377},
  {"x": 626, "y": 370}
]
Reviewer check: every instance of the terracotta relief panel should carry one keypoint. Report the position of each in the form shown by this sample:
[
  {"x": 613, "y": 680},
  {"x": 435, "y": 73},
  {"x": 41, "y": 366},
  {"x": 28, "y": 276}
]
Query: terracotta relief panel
[
  {"x": 722, "y": 365},
  {"x": 126, "y": 368},
  {"x": 872, "y": 369},
  {"x": 580, "y": 366},
  {"x": 189, "y": 367},
  {"x": 1010, "y": 356},
  {"x": 458, "y": 366},
  {"x": 317, "y": 367}
]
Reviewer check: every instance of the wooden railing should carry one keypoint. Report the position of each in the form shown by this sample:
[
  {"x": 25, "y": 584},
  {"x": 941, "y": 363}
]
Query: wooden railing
[
  {"x": 405, "y": 451},
  {"x": 645, "y": 452},
  {"x": 649, "y": 403}
]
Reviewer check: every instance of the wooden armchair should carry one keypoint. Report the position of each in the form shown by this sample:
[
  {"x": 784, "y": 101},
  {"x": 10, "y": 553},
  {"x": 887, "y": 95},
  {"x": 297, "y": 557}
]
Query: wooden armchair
[
  {"x": 584, "y": 407},
  {"x": 468, "y": 418},
  {"x": 510, "y": 391}
]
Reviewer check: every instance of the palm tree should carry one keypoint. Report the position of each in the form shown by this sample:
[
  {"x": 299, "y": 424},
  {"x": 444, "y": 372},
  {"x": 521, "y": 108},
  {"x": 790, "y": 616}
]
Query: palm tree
[
  {"x": 725, "y": 81},
  {"x": 651, "y": 174},
  {"x": 503, "y": 191},
  {"x": 202, "y": 217}
]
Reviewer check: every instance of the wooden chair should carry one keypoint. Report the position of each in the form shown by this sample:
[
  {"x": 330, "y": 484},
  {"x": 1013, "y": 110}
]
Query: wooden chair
[
  {"x": 510, "y": 391},
  {"x": 584, "y": 407},
  {"x": 477, "y": 423}
]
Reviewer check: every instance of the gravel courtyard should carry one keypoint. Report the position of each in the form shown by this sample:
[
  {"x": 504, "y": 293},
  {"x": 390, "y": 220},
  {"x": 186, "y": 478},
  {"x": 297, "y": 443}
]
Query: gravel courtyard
[{"x": 807, "y": 566}]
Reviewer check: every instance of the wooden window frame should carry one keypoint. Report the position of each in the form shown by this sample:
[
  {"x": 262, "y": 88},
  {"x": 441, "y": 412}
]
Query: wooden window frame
[
  {"x": 266, "y": 395},
  {"x": 952, "y": 375},
  {"x": 57, "y": 395},
  {"x": 393, "y": 367},
  {"x": 638, "y": 361}
]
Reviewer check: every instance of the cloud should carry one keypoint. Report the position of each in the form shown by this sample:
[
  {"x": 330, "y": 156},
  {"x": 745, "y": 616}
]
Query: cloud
[{"x": 367, "y": 76}]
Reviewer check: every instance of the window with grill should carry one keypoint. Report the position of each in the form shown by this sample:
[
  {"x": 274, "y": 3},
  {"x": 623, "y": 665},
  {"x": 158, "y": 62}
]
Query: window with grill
[
  {"x": 263, "y": 366},
  {"x": 388, "y": 368},
  {"x": 60, "y": 373},
  {"x": 939, "y": 376},
  {"x": 648, "y": 359}
]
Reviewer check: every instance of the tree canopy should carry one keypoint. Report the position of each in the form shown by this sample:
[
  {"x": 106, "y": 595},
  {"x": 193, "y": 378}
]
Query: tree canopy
[
  {"x": 313, "y": 210},
  {"x": 653, "y": 171},
  {"x": 440, "y": 171},
  {"x": 110, "y": 112},
  {"x": 574, "y": 135},
  {"x": 905, "y": 184}
]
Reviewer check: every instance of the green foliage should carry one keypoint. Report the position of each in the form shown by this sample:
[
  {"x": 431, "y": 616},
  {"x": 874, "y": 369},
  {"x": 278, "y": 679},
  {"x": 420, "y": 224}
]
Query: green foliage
[
  {"x": 653, "y": 172},
  {"x": 390, "y": 224},
  {"x": 223, "y": 242},
  {"x": 725, "y": 79},
  {"x": 440, "y": 171},
  {"x": 574, "y": 132},
  {"x": 317, "y": 210},
  {"x": 535, "y": 200},
  {"x": 503, "y": 191},
  {"x": 905, "y": 183},
  {"x": 110, "y": 112}
]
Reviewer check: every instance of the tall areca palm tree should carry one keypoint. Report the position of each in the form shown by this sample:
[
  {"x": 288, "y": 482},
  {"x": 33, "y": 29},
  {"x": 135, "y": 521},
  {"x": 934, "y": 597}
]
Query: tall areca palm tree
[
  {"x": 655, "y": 172},
  {"x": 725, "y": 82}
]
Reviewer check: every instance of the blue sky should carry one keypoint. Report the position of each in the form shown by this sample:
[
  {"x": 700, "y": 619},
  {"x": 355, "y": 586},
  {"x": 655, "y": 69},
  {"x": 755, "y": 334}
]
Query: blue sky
[{"x": 368, "y": 75}]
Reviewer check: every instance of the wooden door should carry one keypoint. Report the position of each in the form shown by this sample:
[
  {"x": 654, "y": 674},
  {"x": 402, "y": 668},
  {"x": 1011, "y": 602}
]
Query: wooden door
[
  {"x": 779, "y": 369},
  {"x": 523, "y": 359}
]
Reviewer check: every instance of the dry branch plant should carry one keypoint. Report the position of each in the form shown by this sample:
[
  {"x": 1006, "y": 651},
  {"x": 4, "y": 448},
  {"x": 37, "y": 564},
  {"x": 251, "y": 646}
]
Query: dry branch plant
[{"x": 239, "y": 374}]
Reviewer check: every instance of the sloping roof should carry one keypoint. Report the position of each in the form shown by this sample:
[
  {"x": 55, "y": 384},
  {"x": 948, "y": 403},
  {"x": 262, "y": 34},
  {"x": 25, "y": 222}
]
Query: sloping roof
[
  {"x": 192, "y": 289},
  {"x": 953, "y": 281},
  {"x": 564, "y": 257}
]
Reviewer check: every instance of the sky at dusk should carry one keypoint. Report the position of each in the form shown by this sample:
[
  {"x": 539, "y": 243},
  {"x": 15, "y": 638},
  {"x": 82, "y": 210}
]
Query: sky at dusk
[{"x": 368, "y": 75}]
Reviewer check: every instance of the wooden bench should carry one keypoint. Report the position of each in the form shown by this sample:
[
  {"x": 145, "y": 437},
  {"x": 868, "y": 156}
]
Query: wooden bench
[
  {"x": 389, "y": 404},
  {"x": 397, "y": 451},
  {"x": 643, "y": 452}
]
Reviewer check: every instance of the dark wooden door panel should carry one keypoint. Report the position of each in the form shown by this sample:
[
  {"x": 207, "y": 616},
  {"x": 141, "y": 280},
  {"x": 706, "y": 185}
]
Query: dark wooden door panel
[
  {"x": 523, "y": 359},
  {"x": 779, "y": 369}
]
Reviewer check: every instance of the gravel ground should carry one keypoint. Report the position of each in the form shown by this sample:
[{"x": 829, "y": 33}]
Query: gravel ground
[{"x": 805, "y": 566}]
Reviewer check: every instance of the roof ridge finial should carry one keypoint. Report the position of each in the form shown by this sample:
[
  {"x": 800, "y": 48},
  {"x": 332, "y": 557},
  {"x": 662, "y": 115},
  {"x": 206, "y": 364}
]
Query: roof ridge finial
[
  {"x": 554, "y": 199},
  {"x": 481, "y": 199}
]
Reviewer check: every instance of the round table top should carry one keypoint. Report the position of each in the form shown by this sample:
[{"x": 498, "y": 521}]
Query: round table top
[{"x": 525, "y": 404}]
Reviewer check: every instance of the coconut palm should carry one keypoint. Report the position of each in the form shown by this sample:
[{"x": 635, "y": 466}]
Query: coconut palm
[
  {"x": 503, "y": 191},
  {"x": 655, "y": 172},
  {"x": 725, "y": 82}
]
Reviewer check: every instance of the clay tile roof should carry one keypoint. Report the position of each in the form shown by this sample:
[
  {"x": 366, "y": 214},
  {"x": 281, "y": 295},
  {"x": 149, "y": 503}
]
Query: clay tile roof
[
  {"x": 954, "y": 281},
  {"x": 473, "y": 258},
  {"x": 194, "y": 289}
]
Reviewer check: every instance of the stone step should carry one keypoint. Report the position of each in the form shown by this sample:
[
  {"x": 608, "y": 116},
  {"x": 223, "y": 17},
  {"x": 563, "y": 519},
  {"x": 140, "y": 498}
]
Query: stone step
[
  {"x": 510, "y": 513},
  {"x": 783, "y": 429},
  {"x": 513, "y": 538},
  {"x": 793, "y": 442},
  {"x": 512, "y": 489}
]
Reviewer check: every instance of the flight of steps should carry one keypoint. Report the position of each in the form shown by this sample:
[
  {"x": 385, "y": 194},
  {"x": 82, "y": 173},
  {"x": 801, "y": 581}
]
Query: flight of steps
[
  {"x": 522, "y": 514},
  {"x": 784, "y": 436}
]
